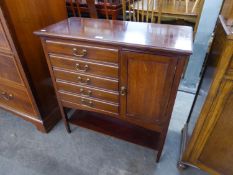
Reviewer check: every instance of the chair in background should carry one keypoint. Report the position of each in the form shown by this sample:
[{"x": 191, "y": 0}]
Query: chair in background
[
  {"x": 109, "y": 9},
  {"x": 160, "y": 10},
  {"x": 74, "y": 7}
]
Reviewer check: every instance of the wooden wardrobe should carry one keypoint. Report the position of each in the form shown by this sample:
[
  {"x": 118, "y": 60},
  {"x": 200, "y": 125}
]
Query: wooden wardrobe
[
  {"x": 25, "y": 84},
  {"x": 208, "y": 135}
]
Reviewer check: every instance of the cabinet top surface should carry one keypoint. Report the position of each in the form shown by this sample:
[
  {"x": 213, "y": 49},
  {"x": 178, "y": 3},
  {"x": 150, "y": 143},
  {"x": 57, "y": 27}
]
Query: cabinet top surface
[{"x": 143, "y": 35}]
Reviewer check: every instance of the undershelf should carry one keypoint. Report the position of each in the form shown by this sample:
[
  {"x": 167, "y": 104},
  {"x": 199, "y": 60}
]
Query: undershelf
[{"x": 116, "y": 128}]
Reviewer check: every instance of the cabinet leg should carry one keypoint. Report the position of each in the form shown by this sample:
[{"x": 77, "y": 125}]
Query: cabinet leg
[
  {"x": 160, "y": 146},
  {"x": 67, "y": 125},
  {"x": 65, "y": 120},
  {"x": 41, "y": 128},
  {"x": 158, "y": 156}
]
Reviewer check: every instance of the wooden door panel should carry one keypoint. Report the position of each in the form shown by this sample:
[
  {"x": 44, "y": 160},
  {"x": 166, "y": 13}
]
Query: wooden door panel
[
  {"x": 4, "y": 44},
  {"x": 217, "y": 152},
  {"x": 9, "y": 69},
  {"x": 149, "y": 81}
]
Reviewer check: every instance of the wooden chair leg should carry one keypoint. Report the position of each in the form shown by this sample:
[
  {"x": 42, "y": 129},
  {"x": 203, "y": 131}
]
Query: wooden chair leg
[
  {"x": 124, "y": 9},
  {"x": 72, "y": 7},
  {"x": 195, "y": 5},
  {"x": 92, "y": 9},
  {"x": 174, "y": 2},
  {"x": 160, "y": 6},
  {"x": 106, "y": 9},
  {"x": 187, "y": 5},
  {"x": 78, "y": 8}
]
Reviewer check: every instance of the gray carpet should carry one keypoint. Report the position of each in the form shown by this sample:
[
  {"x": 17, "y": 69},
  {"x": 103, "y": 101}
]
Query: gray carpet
[{"x": 25, "y": 151}]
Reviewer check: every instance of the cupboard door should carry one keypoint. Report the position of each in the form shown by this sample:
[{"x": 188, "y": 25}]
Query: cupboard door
[{"x": 148, "y": 80}]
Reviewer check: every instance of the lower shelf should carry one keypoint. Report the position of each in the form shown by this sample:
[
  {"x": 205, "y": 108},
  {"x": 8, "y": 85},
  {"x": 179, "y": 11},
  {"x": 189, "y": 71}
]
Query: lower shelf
[{"x": 116, "y": 128}]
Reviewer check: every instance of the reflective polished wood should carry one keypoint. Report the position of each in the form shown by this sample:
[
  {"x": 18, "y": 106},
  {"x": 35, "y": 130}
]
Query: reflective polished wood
[
  {"x": 137, "y": 90},
  {"x": 172, "y": 38}
]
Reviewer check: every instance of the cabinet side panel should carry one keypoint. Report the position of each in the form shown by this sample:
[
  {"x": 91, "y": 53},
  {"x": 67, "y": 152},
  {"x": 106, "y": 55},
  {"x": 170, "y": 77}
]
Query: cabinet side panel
[{"x": 218, "y": 150}]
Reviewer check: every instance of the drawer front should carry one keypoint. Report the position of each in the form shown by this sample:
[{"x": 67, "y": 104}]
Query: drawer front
[
  {"x": 88, "y": 92},
  {"x": 84, "y": 66},
  {"x": 87, "y": 80},
  {"x": 79, "y": 50},
  {"x": 8, "y": 69},
  {"x": 89, "y": 102},
  {"x": 16, "y": 98}
]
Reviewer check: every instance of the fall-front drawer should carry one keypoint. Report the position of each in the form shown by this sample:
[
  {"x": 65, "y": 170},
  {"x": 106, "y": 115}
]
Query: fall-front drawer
[
  {"x": 8, "y": 69},
  {"x": 16, "y": 99},
  {"x": 88, "y": 92},
  {"x": 80, "y": 50},
  {"x": 80, "y": 65},
  {"x": 88, "y": 102},
  {"x": 86, "y": 80}
]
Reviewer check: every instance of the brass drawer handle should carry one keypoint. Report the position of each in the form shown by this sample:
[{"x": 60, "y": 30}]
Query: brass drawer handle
[
  {"x": 123, "y": 91},
  {"x": 82, "y": 81},
  {"x": 88, "y": 93},
  {"x": 85, "y": 68},
  {"x": 7, "y": 96},
  {"x": 87, "y": 102},
  {"x": 81, "y": 54}
]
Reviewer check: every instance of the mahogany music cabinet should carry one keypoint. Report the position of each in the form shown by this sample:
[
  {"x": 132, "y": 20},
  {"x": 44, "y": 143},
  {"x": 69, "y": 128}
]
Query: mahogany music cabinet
[{"x": 121, "y": 77}]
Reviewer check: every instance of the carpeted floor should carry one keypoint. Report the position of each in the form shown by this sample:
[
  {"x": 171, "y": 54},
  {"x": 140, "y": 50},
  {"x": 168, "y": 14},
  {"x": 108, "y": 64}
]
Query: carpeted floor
[{"x": 25, "y": 151}]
